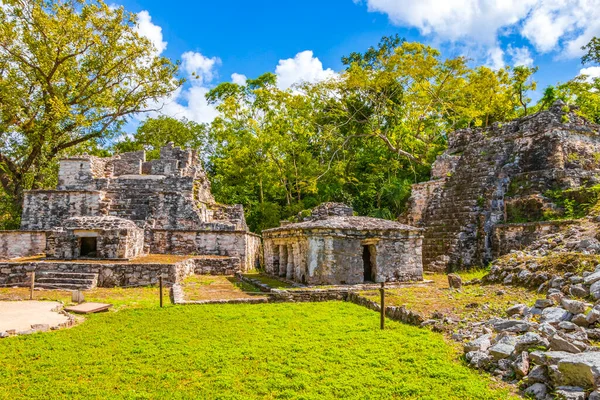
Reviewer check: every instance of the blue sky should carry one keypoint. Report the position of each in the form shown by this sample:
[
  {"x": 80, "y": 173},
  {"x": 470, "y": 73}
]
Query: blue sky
[{"x": 227, "y": 40}]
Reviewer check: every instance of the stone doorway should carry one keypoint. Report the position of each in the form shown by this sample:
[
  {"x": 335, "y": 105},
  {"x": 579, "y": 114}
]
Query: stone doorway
[
  {"x": 88, "y": 247},
  {"x": 367, "y": 264}
]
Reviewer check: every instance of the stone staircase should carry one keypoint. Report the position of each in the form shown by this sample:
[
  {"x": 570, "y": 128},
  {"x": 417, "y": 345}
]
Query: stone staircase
[
  {"x": 65, "y": 280},
  {"x": 455, "y": 221}
]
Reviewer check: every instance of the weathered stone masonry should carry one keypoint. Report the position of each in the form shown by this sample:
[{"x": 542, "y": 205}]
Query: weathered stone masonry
[
  {"x": 125, "y": 206},
  {"x": 339, "y": 248},
  {"x": 497, "y": 175}
]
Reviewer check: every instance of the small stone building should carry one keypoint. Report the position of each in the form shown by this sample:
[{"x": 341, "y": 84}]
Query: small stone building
[
  {"x": 332, "y": 246},
  {"x": 96, "y": 237}
]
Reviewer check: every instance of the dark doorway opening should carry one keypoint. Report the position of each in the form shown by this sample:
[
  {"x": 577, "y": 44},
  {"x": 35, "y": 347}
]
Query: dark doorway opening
[
  {"x": 368, "y": 267},
  {"x": 88, "y": 247}
]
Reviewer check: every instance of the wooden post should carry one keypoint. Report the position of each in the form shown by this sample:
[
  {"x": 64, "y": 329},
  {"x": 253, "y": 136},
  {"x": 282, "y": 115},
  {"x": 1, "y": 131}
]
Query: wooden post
[
  {"x": 382, "y": 292},
  {"x": 31, "y": 285},
  {"x": 160, "y": 285}
]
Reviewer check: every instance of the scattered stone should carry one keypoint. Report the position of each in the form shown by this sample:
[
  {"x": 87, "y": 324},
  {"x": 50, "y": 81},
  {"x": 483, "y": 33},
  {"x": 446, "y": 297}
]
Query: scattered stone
[
  {"x": 567, "y": 325},
  {"x": 579, "y": 291},
  {"x": 580, "y": 369},
  {"x": 543, "y": 303},
  {"x": 517, "y": 309},
  {"x": 40, "y": 327},
  {"x": 547, "y": 329},
  {"x": 538, "y": 391},
  {"x": 478, "y": 359},
  {"x": 454, "y": 281},
  {"x": 505, "y": 364},
  {"x": 593, "y": 333},
  {"x": 4, "y": 335},
  {"x": 575, "y": 280},
  {"x": 521, "y": 364},
  {"x": 511, "y": 325},
  {"x": 558, "y": 343},
  {"x": 592, "y": 278},
  {"x": 503, "y": 348},
  {"x": 538, "y": 374},
  {"x": 557, "y": 282},
  {"x": 538, "y": 357},
  {"x": 556, "y": 296},
  {"x": 573, "y": 306},
  {"x": 580, "y": 320},
  {"x": 500, "y": 292},
  {"x": 535, "y": 311},
  {"x": 482, "y": 343},
  {"x": 595, "y": 290},
  {"x": 593, "y": 316},
  {"x": 570, "y": 393},
  {"x": 530, "y": 340},
  {"x": 594, "y": 395},
  {"x": 555, "y": 315}
]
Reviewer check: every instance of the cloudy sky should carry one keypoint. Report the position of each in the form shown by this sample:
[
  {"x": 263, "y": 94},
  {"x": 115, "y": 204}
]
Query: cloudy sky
[{"x": 304, "y": 40}]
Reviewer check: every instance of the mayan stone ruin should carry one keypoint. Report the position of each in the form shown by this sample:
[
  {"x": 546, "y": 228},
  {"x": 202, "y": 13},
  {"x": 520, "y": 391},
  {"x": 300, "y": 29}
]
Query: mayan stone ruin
[
  {"x": 332, "y": 246},
  {"x": 489, "y": 190},
  {"x": 123, "y": 207}
]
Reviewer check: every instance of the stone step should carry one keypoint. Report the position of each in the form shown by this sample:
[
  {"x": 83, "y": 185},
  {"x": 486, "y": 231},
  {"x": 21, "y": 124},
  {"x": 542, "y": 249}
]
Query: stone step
[
  {"x": 65, "y": 275},
  {"x": 66, "y": 280}
]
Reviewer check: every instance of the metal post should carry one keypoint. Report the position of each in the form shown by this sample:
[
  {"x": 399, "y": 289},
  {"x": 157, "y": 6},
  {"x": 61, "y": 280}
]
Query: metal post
[
  {"x": 31, "y": 285},
  {"x": 160, "y": 284},
  {"x": 382, "y": 292}
]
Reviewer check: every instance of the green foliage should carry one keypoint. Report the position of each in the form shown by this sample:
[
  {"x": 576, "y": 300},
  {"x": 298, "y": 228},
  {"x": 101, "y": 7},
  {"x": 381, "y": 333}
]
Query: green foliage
[
  {"x": 310, "y": 350},
  {"x": 72, "y": 72},
  {"x": 575, "y": 203},
  {"x": 362, "y": 138},
  {"x": 154, "y": 133},
  {"x": 592, "y": 51}
]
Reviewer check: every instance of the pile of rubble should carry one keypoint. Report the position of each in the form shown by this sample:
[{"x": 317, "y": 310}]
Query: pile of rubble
[
  {"x": 531, "y": 275},
  {"x": 547, "y": 348}
]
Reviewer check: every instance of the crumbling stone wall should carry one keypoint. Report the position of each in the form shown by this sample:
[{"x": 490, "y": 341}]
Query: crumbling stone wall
[
  {"x": 244, "y": 246},
  {"x": 508, "y": 237},
  {"x": 47, "y": 209},
  {"x": 511, "y": 164},
  {"x": 109, "y": 275},
  {"x": 15, "y": 244}
]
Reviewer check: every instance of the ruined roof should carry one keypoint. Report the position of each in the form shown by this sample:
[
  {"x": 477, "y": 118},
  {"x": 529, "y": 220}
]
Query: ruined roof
[
  {"x": 352, "y": 223},
  {"x": 102, "y": 223}
]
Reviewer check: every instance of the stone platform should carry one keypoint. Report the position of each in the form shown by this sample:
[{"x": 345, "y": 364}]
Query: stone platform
[
  {"x": 138, "y": 272},
  {"x": 21, "y": 315}
]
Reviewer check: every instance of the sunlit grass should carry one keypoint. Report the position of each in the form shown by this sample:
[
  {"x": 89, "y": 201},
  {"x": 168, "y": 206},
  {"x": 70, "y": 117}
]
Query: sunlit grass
[
  {"x": 268, "y": 351},
  {"x": 473, "y": 302}
]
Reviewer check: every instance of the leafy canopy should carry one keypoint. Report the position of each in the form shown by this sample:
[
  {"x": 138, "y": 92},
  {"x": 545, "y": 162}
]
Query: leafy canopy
[{"x": 71, "y": 72}]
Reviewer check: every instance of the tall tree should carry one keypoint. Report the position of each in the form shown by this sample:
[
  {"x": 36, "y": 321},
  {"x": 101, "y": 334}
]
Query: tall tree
[{"x": 71, "y": 71}]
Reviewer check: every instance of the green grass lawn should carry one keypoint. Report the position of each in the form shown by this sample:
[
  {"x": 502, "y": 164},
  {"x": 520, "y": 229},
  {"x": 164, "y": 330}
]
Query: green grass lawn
[{"x": 266, "y": 351}]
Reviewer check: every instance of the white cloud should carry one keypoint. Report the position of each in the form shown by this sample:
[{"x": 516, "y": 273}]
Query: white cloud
[
  {"x": 495, "y": 58},
  {"x": 304, "y": 67},
  {"x": 561, "y": 26},
  {"x": 591, "y": 72},
  {"x": 453, "y": 20},
  {"x": 520, "y": 56},
  {"x": 238, "y": 79},
  {"x": 146, "y": 28},
  {"x": 199, "y": 68}
]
